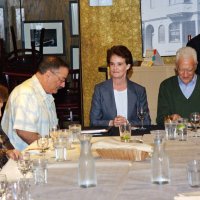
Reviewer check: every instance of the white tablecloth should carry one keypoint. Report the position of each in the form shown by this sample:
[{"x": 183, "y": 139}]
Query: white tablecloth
[{"x": 119, "y": 180}]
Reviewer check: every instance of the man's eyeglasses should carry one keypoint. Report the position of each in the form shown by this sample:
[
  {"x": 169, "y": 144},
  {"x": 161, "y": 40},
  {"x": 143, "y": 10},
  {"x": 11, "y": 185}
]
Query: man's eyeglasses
[{"x": 62, "y": 80}]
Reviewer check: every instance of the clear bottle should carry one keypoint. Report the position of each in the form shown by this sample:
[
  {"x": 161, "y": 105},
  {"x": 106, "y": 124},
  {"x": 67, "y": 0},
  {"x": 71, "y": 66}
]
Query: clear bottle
[
  {"x": 86, "y": 166},
  {"x": 160, "y": 171}
]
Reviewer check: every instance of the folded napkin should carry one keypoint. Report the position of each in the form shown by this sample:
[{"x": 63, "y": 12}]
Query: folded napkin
[
  {"x": 188, "y": 196},
  {"x": 113, "y": 143}
]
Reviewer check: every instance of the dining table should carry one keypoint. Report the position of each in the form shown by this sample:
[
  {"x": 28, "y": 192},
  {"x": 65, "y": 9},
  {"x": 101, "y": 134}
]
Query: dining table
[{"x": 116, "y": 179}]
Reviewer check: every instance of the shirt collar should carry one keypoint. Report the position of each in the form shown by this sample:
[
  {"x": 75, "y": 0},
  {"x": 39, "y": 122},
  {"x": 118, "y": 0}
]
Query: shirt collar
[
  {"x": 40, "y": 89},
  {"x": 192, "y": 82}
]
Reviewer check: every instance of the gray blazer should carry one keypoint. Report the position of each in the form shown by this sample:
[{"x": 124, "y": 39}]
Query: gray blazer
[{"x": 103, "y": 108}]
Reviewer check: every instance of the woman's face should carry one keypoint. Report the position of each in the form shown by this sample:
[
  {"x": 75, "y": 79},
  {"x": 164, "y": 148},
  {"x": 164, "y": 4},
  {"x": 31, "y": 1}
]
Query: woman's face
[{"x": 118, "y": 67}]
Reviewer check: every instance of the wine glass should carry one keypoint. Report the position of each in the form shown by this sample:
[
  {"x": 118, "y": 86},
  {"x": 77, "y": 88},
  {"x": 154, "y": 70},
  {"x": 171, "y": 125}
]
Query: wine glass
[
  {"x": 24, "y": 164},
  {"x": 54, "y": 132},
  {"x": 141, "y": 114},
  {"x": 3, "y": 184},
  {"x": 195, "y": 119},
  {"x": 43, "y": 143}
]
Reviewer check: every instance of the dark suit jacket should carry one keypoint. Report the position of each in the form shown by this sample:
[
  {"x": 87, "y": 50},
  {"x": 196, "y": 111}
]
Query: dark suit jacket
[
  {"x": 195, "y": 44},
  {"x": 103, "y": 108}
]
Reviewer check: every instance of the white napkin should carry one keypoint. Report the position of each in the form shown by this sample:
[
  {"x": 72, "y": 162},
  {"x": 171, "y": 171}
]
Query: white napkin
[
  {"x": 12, "y": 172},
  {"x": 113, "y": 143},
  {"x": 188, "y": 196}
]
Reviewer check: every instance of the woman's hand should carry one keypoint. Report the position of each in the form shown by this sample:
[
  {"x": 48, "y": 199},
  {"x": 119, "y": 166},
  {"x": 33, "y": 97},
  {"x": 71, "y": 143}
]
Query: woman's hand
[
  {"x": 14, "y": 154},
  {"x": 119, "y": 120}
]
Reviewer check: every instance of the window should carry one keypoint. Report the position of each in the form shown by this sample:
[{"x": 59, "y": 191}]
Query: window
[
  {"x": 152, "y": 3},
  {"x": 161, "y": 34},
  {"x": 174, "y": 32}
]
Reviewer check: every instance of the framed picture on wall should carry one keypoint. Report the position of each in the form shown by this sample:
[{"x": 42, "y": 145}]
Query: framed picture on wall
[
  {"x": 2, "y": 25},
  {"x": 166, "y": 24},
  {"x": 18, "y": 16},
  {"x": 74, "y": 18},
  {"x": 74, "y": 52},
  {"x": 53, "y": 36}
]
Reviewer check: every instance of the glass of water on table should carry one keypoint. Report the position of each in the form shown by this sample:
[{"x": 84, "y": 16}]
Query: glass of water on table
[{"x": 76, "y": 130}]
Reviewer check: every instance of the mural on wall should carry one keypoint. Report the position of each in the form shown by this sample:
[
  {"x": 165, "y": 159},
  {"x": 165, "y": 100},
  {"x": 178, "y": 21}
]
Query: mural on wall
[{"x": 167, "y": 24}]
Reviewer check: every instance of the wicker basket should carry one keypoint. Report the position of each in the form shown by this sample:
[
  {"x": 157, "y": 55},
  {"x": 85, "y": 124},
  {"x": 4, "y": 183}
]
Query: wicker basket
[{"x": 123, "y": 154}]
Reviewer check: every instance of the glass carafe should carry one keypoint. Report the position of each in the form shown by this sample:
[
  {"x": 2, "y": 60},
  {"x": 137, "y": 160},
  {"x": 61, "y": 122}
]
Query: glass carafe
[
  {"x": 160, "y": 163},
  {"x": 86, "y": 166}
]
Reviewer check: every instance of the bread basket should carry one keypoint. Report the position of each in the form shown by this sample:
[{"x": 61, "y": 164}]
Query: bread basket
[{"x": 113, "y": 149}]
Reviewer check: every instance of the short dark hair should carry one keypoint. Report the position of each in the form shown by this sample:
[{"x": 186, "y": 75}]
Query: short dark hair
[
  {"x": 121, "y": 51},
  {"x": 51, "y": 63},
  {"x": 3, "y": 93}
]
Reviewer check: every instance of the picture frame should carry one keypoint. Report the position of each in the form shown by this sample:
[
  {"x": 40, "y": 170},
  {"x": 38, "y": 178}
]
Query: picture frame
[
  {"x": 53, "y": 36},
  {"x": 169, "y": 30},
  {"x": 19, "y": 17},
  {"x": 2, "y": 24},
  {"x": 74, "y": 18},
  {"x": 74, "y": 57}
]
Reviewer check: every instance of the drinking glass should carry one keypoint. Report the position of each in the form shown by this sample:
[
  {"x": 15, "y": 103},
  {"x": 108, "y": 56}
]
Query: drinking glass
[
  {"x": 194, "y": 119},
  {"x": 3, "y": 184},
  {"x": 24, "y": 164},
  {"x": 54, "y": 132},
  {"x": 76, "y": 130},
  {"x": 141, "y": 115},
  {"x": 43, "y": 143}
]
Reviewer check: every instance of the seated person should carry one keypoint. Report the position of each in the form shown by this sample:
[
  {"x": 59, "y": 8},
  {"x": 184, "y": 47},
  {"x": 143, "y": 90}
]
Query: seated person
[
  {"x": 195, "y": 44},
  {"x": 115, "y": 101},
  {"x": 6, "y": 148},
  {"x": 179, "y": 95},
  {"x": 30, "y": 109}
]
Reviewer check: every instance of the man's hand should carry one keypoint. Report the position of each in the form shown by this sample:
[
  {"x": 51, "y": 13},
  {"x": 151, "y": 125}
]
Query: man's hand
[
  {"x": 14, "y": 154},
  {"x": 175, "y": 117}
]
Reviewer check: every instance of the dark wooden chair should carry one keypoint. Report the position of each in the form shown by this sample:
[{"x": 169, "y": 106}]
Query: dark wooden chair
[
  {"x": 22, "y": 63},
  {"x": 68, "y": 100}
]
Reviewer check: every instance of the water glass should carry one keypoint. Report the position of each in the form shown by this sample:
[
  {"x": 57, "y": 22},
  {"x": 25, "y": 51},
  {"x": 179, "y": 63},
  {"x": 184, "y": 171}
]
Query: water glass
[
  {"x": 170, "y": 129},
  {"x": 76, "y": 130},
  {"x": 182, "y": 129},
  {"x": 193, "y": 172},
  {"x": 18, "y": 190},
  {"x": 60, "y": 149},
  {"x": 125, "y": 132},
  {"x": 3, "y": 184},
  {"x": 40, "y": 171},
  {"x": 66, "y": 134}
]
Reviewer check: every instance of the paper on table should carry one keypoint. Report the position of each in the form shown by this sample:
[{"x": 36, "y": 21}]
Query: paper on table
[
  {"x": 95, "y": 131},
  {"x": 188, "y": 196}
]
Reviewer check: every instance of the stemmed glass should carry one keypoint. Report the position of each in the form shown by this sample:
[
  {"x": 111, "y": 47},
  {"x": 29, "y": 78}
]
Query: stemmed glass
[
  {"x": 3, "y": 184},
  {"x": 24, "y": 164},
  {"x": 54, "y": 132},
  {"x": 43, "y": 143},
  {"x": 141, "y": 115},
  {"x": 195, "y": 119}
]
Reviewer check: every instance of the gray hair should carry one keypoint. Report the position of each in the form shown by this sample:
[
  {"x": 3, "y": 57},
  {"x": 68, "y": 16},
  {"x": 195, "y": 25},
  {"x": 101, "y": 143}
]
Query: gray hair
[{"x": 186, "y": 52}]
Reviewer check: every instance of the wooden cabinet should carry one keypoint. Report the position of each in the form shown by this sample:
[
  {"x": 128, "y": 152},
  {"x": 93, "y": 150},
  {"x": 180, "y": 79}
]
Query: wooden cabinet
[{"x": 150, "y": 78}]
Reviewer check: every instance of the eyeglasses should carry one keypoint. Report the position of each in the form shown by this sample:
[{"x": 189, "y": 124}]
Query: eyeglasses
[
  {"x": 189, "y": 71},
  {"x": 61, "y": 80}
]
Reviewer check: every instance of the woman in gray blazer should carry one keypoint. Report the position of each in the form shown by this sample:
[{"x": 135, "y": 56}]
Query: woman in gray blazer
[{"x": 116, "y": 101}]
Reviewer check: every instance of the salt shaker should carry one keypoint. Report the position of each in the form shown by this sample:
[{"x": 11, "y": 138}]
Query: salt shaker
[
  {"x": 160, "y": 171},
  {"x": 86, "y": 166}
]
